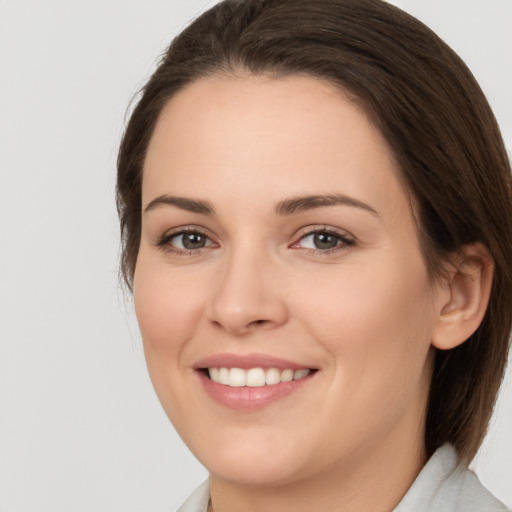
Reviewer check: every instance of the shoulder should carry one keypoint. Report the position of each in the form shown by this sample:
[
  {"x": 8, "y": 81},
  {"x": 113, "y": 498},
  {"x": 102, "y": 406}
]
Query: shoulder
[
  {"x": 444, "y": 485},
  {"x": 473, "y": 496},
  {"x": 198, "y": 500}
]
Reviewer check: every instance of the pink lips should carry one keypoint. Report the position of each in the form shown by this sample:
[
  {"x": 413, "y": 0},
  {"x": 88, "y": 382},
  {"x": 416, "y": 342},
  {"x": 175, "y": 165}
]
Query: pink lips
[
  {"x": 247, "y": 361},
  {"x": 248, "y": 398}
]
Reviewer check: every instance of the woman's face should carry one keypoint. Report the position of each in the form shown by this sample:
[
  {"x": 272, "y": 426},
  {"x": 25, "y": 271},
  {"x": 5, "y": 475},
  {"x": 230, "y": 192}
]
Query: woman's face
[{"x": 276, "y": 238}]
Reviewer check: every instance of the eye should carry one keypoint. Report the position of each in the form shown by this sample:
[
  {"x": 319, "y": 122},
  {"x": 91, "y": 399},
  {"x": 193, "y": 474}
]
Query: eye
[
  {"x": 190, "y": 241},
  {"x": 185, "y": 241},
  {"x": 323, "y": 240}
]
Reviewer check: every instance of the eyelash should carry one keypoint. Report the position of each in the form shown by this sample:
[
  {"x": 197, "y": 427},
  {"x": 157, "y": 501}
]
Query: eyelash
[
  {"x": 344, "y": 241},
  {"x": 164, "y": 243}
]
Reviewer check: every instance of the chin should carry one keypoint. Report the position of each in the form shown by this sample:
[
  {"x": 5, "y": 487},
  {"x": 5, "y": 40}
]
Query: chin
[
  {"x": 252, "y": 462},
  {"x": 255, "y": 473}
]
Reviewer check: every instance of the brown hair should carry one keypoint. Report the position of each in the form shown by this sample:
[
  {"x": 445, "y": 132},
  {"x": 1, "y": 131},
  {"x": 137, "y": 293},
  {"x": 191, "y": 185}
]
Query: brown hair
[{"x": 436, "y": 120}]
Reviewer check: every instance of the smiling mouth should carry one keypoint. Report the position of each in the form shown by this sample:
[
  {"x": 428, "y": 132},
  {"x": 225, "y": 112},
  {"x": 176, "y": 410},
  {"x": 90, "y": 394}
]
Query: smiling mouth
[{"x": 254, "y": 377}]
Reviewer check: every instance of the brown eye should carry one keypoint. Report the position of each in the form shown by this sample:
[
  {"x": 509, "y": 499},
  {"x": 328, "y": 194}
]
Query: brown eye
[
  {"x": 185, "y": 241},
  {"x": 192, "y": 240},
  {"x": 325, "y": 241}
]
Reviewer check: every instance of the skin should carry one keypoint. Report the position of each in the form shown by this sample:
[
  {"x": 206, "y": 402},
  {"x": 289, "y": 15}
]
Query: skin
[{"x": 364, "y": 314}]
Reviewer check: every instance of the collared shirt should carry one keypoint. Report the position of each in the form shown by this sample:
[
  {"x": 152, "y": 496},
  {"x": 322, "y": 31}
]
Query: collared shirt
[{"x": 443, "y": 485}]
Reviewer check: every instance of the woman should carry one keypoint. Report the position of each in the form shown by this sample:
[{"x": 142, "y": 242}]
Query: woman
[{"x": 315, "y": 207}]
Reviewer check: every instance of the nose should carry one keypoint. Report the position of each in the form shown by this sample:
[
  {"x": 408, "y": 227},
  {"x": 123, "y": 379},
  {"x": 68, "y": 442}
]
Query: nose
[{"x": 248, "y": 295}]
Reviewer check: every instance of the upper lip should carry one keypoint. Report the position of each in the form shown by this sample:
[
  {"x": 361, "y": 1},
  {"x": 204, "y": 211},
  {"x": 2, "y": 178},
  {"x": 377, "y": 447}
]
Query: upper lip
[{"x": 248, "y": 361}]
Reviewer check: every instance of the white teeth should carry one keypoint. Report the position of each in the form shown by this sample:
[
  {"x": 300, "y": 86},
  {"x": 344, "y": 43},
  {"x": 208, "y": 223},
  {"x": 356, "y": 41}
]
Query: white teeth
[
  {"x": 223, "y": 376},
  {"x": 286, "y": 375},
  {"x": 300, "y": 374},
  {"x": 254, "y": 377},
  {"x": 214, "y": 374},
  {"x": 237, "y": 377},
  {"x": 273, "y": 376}
]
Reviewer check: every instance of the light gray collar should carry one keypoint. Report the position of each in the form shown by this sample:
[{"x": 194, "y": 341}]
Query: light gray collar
[{"x": 443, "y": 485}]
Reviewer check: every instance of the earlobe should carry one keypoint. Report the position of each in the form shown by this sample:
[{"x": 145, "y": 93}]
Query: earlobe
[{"x": 466, "y": 296}]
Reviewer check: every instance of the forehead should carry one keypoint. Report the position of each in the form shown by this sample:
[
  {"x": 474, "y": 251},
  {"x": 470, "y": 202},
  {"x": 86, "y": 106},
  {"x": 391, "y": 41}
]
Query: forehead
[{"x": 254, "y": 136}]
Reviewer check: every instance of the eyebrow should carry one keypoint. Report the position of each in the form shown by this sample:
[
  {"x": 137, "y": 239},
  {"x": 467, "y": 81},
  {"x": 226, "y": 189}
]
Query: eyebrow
[
  {"x": 184, "y": 203},
  {"x": 303, "y": 203},
  {"x": 283, "y": 208}
]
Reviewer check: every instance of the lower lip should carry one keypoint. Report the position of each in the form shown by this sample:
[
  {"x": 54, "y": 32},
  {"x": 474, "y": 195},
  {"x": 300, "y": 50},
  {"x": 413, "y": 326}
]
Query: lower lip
[{"x": 248, "y": 398}]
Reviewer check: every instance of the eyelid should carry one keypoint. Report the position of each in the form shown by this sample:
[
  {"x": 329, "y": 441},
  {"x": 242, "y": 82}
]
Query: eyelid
[
  {"x": 345, "y": 237},
  {"x": 163, "y": 242}
]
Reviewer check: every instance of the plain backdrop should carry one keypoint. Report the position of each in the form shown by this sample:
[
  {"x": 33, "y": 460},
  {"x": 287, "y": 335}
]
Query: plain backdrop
[{"x": 80, "y": 426}]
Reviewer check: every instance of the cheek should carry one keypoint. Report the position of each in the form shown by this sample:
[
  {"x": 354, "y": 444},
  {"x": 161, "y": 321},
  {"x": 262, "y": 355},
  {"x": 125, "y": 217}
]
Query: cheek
[
  {"x": 376, "y": 323},
  {"x": 168, "y": 311},
  {"x": 363, "y": 303}
]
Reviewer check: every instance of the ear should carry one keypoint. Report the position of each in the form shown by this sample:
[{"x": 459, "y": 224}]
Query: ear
[{"x": 464, "y": 296}]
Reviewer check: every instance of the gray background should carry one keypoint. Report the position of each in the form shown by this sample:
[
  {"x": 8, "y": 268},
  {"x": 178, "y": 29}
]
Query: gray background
[{"x": 80, "y": 427}]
